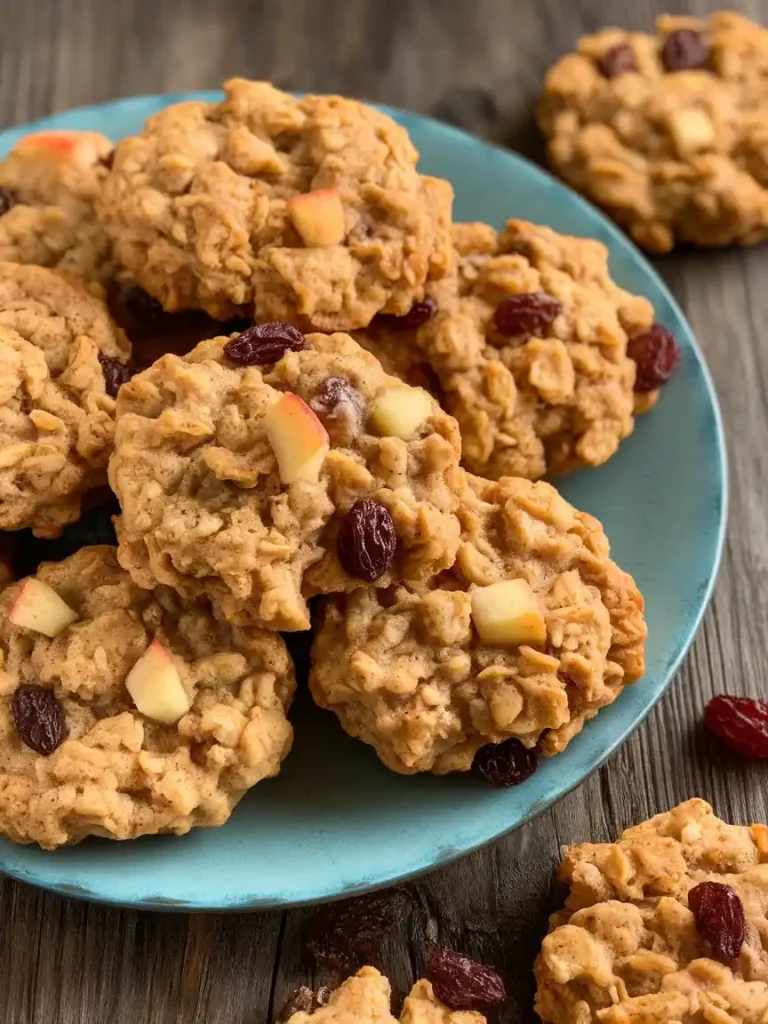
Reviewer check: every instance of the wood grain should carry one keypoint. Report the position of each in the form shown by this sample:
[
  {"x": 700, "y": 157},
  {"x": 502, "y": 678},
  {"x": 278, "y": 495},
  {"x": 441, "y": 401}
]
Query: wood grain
[{"x": 479, "y": 63}]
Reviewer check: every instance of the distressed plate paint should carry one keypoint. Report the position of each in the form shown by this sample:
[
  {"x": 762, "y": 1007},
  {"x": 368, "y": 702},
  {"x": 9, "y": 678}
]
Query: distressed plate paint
[{"x": 336, "y": 821}]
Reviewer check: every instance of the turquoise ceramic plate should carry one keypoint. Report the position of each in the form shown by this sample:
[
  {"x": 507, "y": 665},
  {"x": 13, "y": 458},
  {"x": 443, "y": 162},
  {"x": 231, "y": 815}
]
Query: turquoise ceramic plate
[{"x": 335, "y": 821}]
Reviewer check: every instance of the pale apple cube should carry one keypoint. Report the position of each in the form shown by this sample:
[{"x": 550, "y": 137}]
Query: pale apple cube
[
  {"x": 400, "y": 411},
  {"x": 318, "y": 217},
  {"x": 298, "y": 438},
  {"x": 39, "y": 607},
  {"x": 692, "y": 131},
  {"x": 507, "y": 614},
  {"x": 156, "y": 688}
]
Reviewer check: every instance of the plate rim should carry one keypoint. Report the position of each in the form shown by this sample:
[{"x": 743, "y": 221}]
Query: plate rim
[{"x": 615, "y": 238}]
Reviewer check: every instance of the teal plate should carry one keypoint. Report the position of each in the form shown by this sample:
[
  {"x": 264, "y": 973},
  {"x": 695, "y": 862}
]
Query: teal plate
[{"x": 335, "y": 821}]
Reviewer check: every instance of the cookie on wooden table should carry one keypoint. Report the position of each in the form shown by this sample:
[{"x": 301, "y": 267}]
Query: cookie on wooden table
[
  {"x": 310, "y": 209},
  {"x": 667, "y": 132},
  {"x": 667, "y": 924}
]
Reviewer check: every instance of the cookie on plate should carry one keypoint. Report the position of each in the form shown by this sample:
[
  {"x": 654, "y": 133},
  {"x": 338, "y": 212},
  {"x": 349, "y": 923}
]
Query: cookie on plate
[
  {"x": 312, "y": 209},
  {"x": 125, "y": 713},
  {"x": 48, "y": 188},
  {"x": 667, "y": 924},
  {"x": 667, "y": 132},
  {"x": 528, "y": 345},
  {"x": 528, "y": 635},
  {"x": 265, "y": 468},
  {"x": 62, "y": 360},
  {"x": 366, "y": 997}
]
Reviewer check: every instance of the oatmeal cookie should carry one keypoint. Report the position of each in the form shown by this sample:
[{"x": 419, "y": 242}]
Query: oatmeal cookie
[
  {"x": 260, "y": 486},
  {"x": 528, "y": 635},
  {"x": 61, "y": 359},
  {"x": 632, "y": 943},
  {"x": 526, "y": 345},
  {"x": 129, "y": 713},
  {"x": 365, "y": 998},
  {"x": 667, "y": 132},
  {"x": 48, "y": 188},
  {"x": 310, "y": 208}
]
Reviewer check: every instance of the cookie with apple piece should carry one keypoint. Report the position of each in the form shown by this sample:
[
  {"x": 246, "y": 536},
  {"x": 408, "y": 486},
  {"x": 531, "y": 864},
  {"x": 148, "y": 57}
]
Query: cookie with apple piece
[
  {"x": 666, "y": 924},
  {"x": 667, "y": 131},
  {"x": 48, "y": 188},
  {"x": 312, "y": 209},
  {"x": 523, "y": 640},
  {"x": 530, "y": 344},
  {"x": 127, "y": 713},
  {"x": 62, "y": 360},
  {"x": 366, "y": 997},
  {"x": 270, "y": 466}
]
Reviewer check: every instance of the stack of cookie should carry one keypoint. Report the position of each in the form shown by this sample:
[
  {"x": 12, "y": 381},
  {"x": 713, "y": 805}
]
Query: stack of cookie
[{"x": 318, "y": 388}]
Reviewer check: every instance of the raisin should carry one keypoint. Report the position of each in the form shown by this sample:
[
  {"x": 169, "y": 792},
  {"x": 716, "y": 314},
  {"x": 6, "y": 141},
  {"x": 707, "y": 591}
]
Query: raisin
[
  {"x": 464, "y": 984},
  {"x": 344, "y": 934},
  {"x": 720, "y": 917},
  {"x": 143, "y": 306},
  {"x": 507, "y": 763},
  {"x": 38, "y": 718},
  {"x": 115, "y": 374},
  {"x": 7, "y": 200},
  {"x": 657, "y": 355},
  {"x": 684, "y": 50},
  {"x": 526, "y": 313},
  {"x": 619, "y": 60},
  {"x": 335, "y": 397},
  {"x": 263, "y": 344},
  {"x": 741, "y": 722},
  {"x": 367, "y": 540},
  {"x": 417, "y": 316}
]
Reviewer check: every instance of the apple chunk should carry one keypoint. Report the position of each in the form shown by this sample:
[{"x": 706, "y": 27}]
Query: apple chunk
[
  {"x": 39, "y": 607},
  {"x": 156, "y": 688},
  {"x": 400, "y": 411},
  {"x": 507, "y": 614},
  {"x": 298, "y": 438},
  {"x": 67, "y": 145},
  {"x": 318, "y": 217}
]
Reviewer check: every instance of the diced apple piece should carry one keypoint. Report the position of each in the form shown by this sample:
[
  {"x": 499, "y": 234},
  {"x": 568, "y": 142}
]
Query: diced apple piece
[
  {"x": 298, "y": 439},
  {"x": 692, "y": 131},
  {"x": 399, "y": 411},
  {"x": 156, "y": 688},
  {"x": 77, "y": 146},
  {"x": 318, "y": 217},
  {"x": 506, "y": 614},
  {"x": 39, "y": 607}
]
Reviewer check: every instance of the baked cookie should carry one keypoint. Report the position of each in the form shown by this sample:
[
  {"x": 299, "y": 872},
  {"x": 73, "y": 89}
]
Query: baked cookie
[
  {"x": 61, "y": 361},
  {"x": 262, "y": 469},
  {"x": 310, "y": 208},
  {"x": 528, "y": 635},
  {"x": 366, "y": 997},
  {"x": 526, "y": 344},
  {"x": 125, "y": 713},
  {"x": 668, "y": 924},
  {"x": 48, "y": 188},
  {"x": 667, "y": 132}
]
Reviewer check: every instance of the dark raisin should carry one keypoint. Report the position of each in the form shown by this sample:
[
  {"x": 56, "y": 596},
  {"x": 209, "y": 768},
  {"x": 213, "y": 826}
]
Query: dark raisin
[
  {"x": 417, "y": 316},
  {"x": 463, "y": 984},
  {"x": 7, "y": 200},
  {"x": 741, "y": 722},
  {"x": 334, "y": 397},
  {"x": 115, "y": 374},
  {"x": 526, "y": 313},
  {"x": 619, "y": 60},
  {"x": 507, "y": 763},
  {"x": 263, "y": 344},
  {"x": 719, "y": 917},
  {"x": 367, "y": 540},
  {"x": 303, "y": 1000},
  {"x": 684, "y": 50},
  {"x": 657, "y": 355},
  {"x": 346, "y": 933},
  {"x": 38, "y": 718},
  {"x": 108, "y": 161},
  {"x": 143, "y": 306}
]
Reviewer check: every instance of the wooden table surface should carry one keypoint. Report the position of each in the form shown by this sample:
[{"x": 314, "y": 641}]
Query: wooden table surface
[{"x": 479, "y": 63}]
